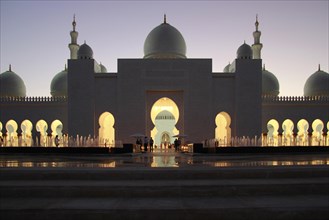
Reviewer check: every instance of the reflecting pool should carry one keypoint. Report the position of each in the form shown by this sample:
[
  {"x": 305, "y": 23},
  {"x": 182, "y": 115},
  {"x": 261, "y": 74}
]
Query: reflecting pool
[{"x": 161, "y": 160}]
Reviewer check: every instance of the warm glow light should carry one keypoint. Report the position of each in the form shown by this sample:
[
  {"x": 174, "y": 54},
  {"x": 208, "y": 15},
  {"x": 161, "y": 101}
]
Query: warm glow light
[
  {"x": 164, "y": 129},
  {"x": 164, "y": 104},
  {"x": 223, "y": 130},
  {"x": 106, "y": 130}
]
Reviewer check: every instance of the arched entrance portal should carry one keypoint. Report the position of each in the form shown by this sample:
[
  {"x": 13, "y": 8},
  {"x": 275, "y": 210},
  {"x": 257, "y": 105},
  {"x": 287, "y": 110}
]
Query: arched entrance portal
[
  {"x": 26, "y": 127},
  {"x": 223, "y": 129},
  {"x": 317, "y": 127},
  {"x": 272, "y": 132},
  {"x": 12, "y": 139},
  {"x": 57, "y": 128},
  {"x": 165, "y": 137},
  {"x": 106, "y": 130},
  {"x": 164, "y": 116},
  {"x": 288, "y": 127},
  {"x": 41, "y": 137},
  {"x": 302, "y": 127}
]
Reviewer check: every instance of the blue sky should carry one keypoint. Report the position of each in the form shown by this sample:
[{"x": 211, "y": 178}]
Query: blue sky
[{"x": 34, "y": 35}]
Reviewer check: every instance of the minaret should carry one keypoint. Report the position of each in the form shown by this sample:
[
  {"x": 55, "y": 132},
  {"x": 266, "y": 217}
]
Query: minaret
[
  {"x": 74, "y": 47},
  {"x": 257, "y": 46}
]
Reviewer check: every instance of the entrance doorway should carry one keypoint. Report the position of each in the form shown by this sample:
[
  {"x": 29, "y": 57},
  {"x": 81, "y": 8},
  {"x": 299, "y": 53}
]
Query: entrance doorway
[
  {"x": 106, "y": 130},
  {"x": 164, "y": 116},
  {"x": 165, "y": 137}
]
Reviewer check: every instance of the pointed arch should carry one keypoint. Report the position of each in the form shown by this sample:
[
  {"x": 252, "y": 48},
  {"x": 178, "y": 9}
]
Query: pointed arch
[
  {"x": 272, "y": 132},
  {"x": 302, "y": 126},
  {"x": 106, "y": 130},
  {"x": 56, "y": 130},
  {"x": 12, "y": 138},
  {"x": 41, "y": 138},
  {"x": 287, "y": 127},
  {"x": 26, "y": 127},
  {"x": 317, "y": 127},
  {"x": 223, "y": 129},
  {"x": 164, "y": 115}
]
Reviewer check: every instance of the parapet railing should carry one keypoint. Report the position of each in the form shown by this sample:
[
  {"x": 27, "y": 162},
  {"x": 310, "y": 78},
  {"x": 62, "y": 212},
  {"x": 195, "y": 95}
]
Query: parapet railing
[
  {"x": 294, "y": 99},
  {"x": 34, "y": 99}
]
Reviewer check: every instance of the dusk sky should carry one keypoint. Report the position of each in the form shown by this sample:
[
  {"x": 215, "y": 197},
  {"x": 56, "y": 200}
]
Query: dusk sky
[{"x": 35, "y": 35}]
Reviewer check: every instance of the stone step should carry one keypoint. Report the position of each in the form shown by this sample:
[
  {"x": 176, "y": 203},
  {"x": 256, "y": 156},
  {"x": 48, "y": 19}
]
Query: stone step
[
  {"x": 127, "y": 192},
  {"x": 158, "y": 188},
  {"x": 146, "y": 193},
  {"x": 238, "y": 207}
]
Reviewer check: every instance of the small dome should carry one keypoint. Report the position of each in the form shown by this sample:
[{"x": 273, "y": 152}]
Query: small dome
[
  {"x": 85, "y": 52},
  {"x": 58, "y": 86},
  {"x": 244, "y": 52},
  {"x": 317, "y": 84},
  {"x": 164, "y": 41},
  {"x": 103, "y": 68},
  {"x": 227, "y": 68},
  {"x": 270, "y": 84},
  {"x": 165, "y": 115},
  {"x": 11, "y": 84}
]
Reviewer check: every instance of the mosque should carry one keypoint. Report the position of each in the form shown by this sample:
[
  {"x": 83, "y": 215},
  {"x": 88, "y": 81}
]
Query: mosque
[{"x": 165, "y": 95}]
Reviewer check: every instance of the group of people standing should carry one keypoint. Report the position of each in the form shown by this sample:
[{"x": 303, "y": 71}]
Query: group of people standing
[
  {"x": 146, "y": 143},
  {"x": 177, "y": 144}
]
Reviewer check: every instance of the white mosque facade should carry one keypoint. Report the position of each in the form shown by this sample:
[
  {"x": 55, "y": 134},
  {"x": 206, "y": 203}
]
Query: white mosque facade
[{"x": 162, "y": 95}]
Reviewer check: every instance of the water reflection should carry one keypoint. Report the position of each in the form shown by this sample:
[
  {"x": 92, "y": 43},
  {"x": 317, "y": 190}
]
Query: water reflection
[
  {"x": 159, "y": 160},
  {"x": 265, "y": 163},
  {"x": 64, "y": 164},
  {"x": 164, "y": 161}
]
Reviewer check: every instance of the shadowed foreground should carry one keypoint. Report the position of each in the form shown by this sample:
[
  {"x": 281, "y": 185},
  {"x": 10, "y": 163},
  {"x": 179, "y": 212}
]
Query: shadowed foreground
[{"x": 295, "y": 192}]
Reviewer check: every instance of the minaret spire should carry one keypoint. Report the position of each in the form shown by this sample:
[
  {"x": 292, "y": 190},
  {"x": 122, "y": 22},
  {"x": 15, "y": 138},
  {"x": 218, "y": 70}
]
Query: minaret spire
[
  {"x": 257, "y": 46},
  {"x": 74, "y": 46},
  {"x": 74, "y": 23},
  {"x": 256, "y": 23}
]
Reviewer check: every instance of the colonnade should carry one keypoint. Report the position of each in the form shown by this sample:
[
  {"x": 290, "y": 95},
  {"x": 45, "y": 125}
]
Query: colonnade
[
  {"x": 26, "y": 134},
  {"x": 300, "y": 133}
]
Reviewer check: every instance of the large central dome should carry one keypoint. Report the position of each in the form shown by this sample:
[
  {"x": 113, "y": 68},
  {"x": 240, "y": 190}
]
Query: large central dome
[{"x": 164, "y": 41}]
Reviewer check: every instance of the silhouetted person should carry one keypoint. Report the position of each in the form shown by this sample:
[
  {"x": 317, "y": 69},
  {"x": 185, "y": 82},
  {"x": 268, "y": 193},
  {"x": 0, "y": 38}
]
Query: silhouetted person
[
  {"x": 38, "y": 138},
  {"x": 139, "y": 144},
  {"x": 179, "y": 143},
  {"x": 151, "y": 144},
  {"x": 56, "y": 140},
  {"x": 176, "y": 144}
]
